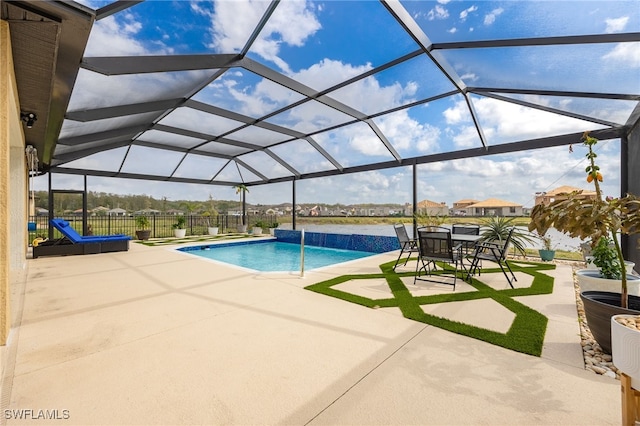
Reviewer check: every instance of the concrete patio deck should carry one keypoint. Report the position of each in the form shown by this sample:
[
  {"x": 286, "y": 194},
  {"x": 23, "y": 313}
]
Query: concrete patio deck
[{"x": 152, "y": 336}]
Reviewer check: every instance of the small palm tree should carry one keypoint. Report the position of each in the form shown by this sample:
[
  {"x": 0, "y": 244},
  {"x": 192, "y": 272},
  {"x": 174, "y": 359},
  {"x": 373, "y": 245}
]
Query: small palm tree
[
  {"x": 242, "y": 190},
  {"x": 427, "y": 219},
  {"x": 498, "y": 228}
]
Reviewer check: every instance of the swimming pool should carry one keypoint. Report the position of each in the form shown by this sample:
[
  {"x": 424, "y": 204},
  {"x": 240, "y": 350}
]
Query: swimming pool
[{"x": 274, "y": 256}]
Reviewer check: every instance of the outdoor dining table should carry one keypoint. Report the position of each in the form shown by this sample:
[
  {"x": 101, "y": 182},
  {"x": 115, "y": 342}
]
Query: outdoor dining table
[
  {"x": 465, "y": 238},
  {"x": 468, "y": 242}
]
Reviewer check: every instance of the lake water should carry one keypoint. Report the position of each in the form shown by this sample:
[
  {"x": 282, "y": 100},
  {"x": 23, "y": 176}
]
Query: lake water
[{"x": 560, "y": 241}]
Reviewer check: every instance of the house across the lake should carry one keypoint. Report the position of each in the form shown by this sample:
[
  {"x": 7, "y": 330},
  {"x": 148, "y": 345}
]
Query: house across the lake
[
  {"x": 562, "y": 193},
  {"x": 494, "y": 207}
]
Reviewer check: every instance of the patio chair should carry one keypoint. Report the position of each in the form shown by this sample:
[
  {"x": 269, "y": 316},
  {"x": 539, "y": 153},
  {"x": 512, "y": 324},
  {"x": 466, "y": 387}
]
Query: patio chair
[
  {"x": 73, "y": 243},
  {"x": 437, "y": 246},
  {"x": 493, "y": 251},
  {"x": 407, "y": 245},
  {"x": 466, "y": 229}
]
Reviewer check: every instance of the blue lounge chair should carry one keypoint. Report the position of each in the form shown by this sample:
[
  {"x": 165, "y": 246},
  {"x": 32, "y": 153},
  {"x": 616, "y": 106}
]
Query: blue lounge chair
[{"x": 74, "y": 243}]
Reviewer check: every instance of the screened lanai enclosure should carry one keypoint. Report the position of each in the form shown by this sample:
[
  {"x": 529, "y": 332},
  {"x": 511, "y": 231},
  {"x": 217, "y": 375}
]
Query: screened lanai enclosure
[{"x": 260, "y": 92}]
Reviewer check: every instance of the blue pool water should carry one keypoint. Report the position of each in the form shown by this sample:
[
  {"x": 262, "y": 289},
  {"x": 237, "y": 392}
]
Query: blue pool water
[{"x": 274, "y": 256}]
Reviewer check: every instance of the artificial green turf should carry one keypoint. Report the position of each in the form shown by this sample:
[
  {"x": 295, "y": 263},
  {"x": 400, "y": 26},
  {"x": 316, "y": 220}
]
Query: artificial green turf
[{"x": 525, "y": 335}]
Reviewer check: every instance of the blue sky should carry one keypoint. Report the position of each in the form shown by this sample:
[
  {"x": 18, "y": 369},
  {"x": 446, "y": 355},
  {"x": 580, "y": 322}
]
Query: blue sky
[{"x": 323, "y": 43}]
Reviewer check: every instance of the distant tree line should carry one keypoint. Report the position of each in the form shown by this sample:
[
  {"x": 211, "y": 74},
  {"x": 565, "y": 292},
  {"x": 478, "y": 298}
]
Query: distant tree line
[{"x": 132, "y": 203}]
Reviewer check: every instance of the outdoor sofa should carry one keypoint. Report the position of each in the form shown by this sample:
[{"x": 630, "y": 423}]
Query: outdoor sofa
[{"x": 73, "y": 243}]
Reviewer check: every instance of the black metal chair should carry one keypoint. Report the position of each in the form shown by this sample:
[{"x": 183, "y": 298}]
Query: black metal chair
[
  {"x": 493, "y": 251},
  {"x": 466, "y": 229},
  {"x": 407, "y": 245},
  {"x": 436, "y": 246}
]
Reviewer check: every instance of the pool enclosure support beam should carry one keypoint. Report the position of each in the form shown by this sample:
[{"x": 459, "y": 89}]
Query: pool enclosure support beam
[
  {"x": 293, "y": 209},
  {"x": 630, "y": 179},
  {"x": 624, "y": 186},
  {"x": 415, "y": 200}
]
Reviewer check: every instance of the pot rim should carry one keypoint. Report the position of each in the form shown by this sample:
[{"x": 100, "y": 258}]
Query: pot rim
[
  {"x": 625, "y": 316},
  {"x": 595, "y": 273}
]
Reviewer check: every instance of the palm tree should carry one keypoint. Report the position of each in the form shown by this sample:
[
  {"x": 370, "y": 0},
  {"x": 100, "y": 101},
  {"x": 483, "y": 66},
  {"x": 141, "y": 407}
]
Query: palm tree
[
  {"x": 241, "y": 189},
  {"x": 190, "y": 206}
]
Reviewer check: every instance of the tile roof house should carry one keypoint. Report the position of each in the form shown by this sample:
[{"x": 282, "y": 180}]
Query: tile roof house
[
  {"x": 117, "y": 212},
  {"x": 460, "y": 206},
  {"x": 431, "y": 208},
  {"x": 494, "y": 207},
  {"x": 561, "y": 193},
  {"x": 100, "y": 210}
]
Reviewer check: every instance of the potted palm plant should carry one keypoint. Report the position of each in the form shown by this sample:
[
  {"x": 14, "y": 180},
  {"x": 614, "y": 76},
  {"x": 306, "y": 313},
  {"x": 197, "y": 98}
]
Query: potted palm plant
[
  {"x": 257, "y": 228},
  {"x": 179, "y": 230},
  {"x": 594, "y": 218},
  {"x": 210, "y": 222},
  {"x": 142, "y": 224},
  {"x": 210, "y": 217},
  {"x": 547, "y": 253}
]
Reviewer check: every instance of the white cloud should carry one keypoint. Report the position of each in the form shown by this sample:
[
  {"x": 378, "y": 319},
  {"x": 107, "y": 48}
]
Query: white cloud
[
  {"x": 377, "y": 97},
  {"x": 467, "y": 137},
  {"x": 457, "y": 114},
  {"x": 628, "y": 53},
  {"x": 469, "y": 76},
  {"x": 465, "y": 13},
  {"x": 406, "y": 134},
  {"x": 490, "y": 18},
  {"x": 233, "y": 22},
  {"x": 197, "y": 7},
  {"x": 504, "y": 121},
  {"x": 111, "y": 37},
  {"x": 438, "y": 12},
  {"x": 327, "y": 73},
  {"x": 452, "y": 30},
  {"x": 616, "y": 25}
]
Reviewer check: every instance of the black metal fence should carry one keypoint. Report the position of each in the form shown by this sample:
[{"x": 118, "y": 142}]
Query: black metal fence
[{"x": 161, "y": 226}]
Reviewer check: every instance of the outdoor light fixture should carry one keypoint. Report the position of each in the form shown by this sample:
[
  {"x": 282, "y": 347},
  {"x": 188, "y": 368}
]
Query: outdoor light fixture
[{"x": 29, "y": 118}]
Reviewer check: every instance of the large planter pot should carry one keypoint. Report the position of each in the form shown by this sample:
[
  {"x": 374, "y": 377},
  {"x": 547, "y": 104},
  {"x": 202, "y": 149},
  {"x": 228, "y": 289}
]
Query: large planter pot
[
  {"x": 212, "y": 230},
  {"x": 547, "y": 255},
  {"x": 599, "y": 307},
  {"x": 625, "y": 347},
  {"x": 590, "y": 280},
  {"x": 179, "y": 233},
  {"x": 256, "y": 230},
  {"x": 272, "y": 231},
  {"x": 242, "y": 228},
  {"x": 143, "y": 234}
]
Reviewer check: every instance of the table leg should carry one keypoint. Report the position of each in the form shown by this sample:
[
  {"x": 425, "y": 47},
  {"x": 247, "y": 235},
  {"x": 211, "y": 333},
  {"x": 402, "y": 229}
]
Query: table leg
[{"x": 630, "y": 401}]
